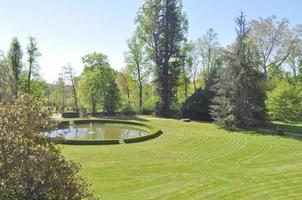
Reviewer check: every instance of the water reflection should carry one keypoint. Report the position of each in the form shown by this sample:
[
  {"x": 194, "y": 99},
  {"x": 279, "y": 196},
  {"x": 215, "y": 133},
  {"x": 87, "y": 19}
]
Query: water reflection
[{"x": 99, "y": 132}]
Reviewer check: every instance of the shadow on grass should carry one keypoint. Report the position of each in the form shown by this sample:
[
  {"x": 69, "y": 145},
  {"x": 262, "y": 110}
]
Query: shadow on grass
[{"x": 291, "y": 131}]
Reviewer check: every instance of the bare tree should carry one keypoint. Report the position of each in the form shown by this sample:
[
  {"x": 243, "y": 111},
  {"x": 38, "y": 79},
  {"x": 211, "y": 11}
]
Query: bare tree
[{"x": 69, "y": 75}]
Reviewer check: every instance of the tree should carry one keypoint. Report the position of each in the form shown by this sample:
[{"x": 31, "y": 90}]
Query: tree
[
  {"x": 294, "y": 59},
  {"x": 197, "y": 106},
  {"x": 33, "y": 167},
  {"x": 33, "y": 54},
  {"x": 37, "y": 85},
  {"x": 274, "y": 41},
  {"x": 69, "y": 75},
  {"x": 284, "y": 102},
  {"x": 15, "y": 62},
  {"x": 239, "y": 97},
  {"x": 124, "y": 85},
  {"x": 196, "y": 61},
  {"x": 208, "y": 50},
  {"x": 164, "y": 29},
  {"x": 138, "y": 63},
  {"x": 187, "y": 66},
  {"x": 4, "y": 77},
  {"x": 61, "y": 94},
  {"x": 97, "y": 87}
]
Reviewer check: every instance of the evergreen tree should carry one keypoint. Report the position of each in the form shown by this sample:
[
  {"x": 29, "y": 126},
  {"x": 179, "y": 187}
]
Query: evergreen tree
[
  {"x": 15, "y": 62},
  {"x": 164, "y": 29},
  {"x": 239, "y": 99}
]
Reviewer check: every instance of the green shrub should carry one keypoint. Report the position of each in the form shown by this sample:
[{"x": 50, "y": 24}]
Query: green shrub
[
  {"x": 196, "y": 107},
  {"x": 284, "y": 102}
]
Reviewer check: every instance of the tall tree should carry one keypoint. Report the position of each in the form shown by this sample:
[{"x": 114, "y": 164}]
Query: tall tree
[
  {"x": 33, "y": 54},
  {"x": 208, "y": 48},
  {"x": 164, "y": 28},
  {"x": 138, "y": 63},
  {"x": 187, "y": 66},
  {"x": 69, "y": 76},
  {"x": 274, "y": 41},
  {"x": 294, "y": 59},
  {"x": 239, "y": 99},
  {"x": 97, "y": 87},
  {"x": 61, "y": 94},
  {"x": 15, "y": 62},
  {"x": 124, "y": 85},
  {"x": 196, "y": 62}
]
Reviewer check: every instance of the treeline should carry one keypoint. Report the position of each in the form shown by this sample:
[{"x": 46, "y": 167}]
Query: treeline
[{"x": 256, "y": 78}]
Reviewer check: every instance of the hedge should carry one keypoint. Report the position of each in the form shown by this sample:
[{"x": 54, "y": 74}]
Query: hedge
[{"x": 70, "y": 115}]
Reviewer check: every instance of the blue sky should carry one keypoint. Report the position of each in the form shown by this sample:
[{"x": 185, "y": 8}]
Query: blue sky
[{"x": 68, "y": 29}]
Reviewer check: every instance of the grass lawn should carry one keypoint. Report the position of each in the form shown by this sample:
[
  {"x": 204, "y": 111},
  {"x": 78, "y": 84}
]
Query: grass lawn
[{"x": 194, "y": 161}]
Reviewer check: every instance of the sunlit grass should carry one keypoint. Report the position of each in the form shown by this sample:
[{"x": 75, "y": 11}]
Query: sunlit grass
[{"x": 194, "y": 161}]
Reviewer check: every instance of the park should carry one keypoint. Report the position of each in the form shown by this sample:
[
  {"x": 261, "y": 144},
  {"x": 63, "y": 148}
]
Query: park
[{"x": 150, "y": 99}]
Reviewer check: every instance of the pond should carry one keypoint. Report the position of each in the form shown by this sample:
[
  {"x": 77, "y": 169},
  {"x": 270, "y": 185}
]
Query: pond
[{"x": 98, "y": 131}]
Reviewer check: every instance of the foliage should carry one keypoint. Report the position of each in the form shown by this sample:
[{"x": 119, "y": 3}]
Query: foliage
[
  {"x": 275, "y": 41},
  {"x": 284, "y": 102},
  {"x": 208, "y": 48},
  {"x": 33, "y": 54},
  {"x": 186, "y": 67},
  {"x": 5, "y": 89},
  {"x": 239, "y": 98},
  {"x": 15, "y": 62},
  {"x": 97, "y": 87},
  {"x": 69, "y": 75},
  {"x": 197, "y": 106},
  {"x": 127, "y": 88},
  {"x": 37, "y": 86},
  {"x": 31, "y": 167},
  {"x": 138, "y": 64},
  {"x": 164, "y": 28}
]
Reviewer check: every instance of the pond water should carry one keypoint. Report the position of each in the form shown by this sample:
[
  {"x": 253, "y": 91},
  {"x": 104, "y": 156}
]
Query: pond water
[{"x": 99, "y": 132}]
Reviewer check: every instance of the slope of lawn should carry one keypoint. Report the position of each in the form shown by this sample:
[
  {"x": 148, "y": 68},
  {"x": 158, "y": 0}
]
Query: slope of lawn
[{"x": 194, "y": 161}]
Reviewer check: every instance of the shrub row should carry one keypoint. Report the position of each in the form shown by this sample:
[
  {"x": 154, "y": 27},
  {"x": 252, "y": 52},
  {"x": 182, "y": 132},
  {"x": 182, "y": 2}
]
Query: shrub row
[
  {"x": 70, "y": 115},
  {"x": 143, "y": 138}
]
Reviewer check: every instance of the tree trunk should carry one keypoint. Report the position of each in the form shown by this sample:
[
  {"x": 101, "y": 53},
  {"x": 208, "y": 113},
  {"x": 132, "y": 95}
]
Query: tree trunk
[
  {"x": 140, "y": 95},
  {"x": 186, "y": 88},
  {"x": 75, "y": 97},
  {"x": 265, "y": 72}
]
